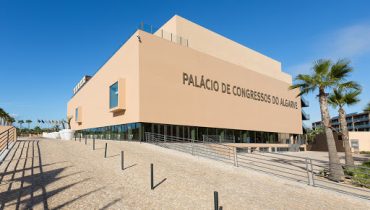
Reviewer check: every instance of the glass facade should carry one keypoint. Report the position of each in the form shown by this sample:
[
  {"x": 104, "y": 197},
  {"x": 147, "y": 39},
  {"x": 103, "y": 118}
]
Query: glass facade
[
  {"x": 135, "y": 132},
  {"x": 113, "y": 95}
]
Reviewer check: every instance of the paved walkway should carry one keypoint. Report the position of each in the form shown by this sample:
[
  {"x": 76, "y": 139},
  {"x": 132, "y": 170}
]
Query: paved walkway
[{"x": 53, "y": 174}]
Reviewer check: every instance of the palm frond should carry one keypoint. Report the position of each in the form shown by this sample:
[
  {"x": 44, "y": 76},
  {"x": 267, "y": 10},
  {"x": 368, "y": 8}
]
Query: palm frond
[
  {"x": 322, "y": 66},
  {"x": 335, "y": 99},
  {"x": 340, "y": 70},
  {"x": 351, "y": 97},
  {"x": 350, "y": 85},
  {"x": 306, "y": 84},
  {"x": 340, "y": 98}
]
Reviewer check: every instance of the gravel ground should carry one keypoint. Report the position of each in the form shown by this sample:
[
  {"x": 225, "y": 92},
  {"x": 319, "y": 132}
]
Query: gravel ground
[{"x": 58, "y": 174}]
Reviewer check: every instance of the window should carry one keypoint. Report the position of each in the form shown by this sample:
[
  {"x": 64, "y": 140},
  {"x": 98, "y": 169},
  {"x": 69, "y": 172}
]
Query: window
[
  {"x": 113, "y": 95},
  {"x": 76, "y": 114}
]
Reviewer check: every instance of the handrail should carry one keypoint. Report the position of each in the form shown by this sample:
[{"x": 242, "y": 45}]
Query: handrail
[
  {"x": 193, "y": 146},
  {"x": 314, "y": 172},
  {"x": 6, "y": 137}
]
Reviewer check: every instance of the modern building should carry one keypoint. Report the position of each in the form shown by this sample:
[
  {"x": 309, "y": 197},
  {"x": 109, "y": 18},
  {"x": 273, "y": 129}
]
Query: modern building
[
  {"x": 184, "y": 80},
  {"x": 355, "y": 122}
]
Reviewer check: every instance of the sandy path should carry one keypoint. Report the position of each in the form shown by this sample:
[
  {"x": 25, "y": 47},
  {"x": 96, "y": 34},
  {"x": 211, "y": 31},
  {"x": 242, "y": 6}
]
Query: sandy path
[{"x": 76, "y": 177}]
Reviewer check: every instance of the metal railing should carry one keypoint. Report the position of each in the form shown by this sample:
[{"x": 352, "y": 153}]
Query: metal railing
[
  {"x": 219, "y": 152},
  {"x": 219, "y": 138},
  {"x": 7, "y": 137},
  {"x": 164, "y": 34},
  {"x": 300, "y": 169}
]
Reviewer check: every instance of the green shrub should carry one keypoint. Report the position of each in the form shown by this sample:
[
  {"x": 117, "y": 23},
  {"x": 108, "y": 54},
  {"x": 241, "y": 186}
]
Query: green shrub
[{"x": 360, "y": 175}]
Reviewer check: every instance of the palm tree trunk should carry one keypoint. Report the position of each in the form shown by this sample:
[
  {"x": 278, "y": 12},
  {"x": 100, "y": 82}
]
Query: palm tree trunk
[
  {"x": 335, "y": 168},
  {"x": 345, "y": 137}
]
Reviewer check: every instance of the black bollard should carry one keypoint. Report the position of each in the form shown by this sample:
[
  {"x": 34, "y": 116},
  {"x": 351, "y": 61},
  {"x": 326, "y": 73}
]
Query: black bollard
[
  {"x": 151, "y": 177},
  {"x": 215, "y": 195},
  {"x": 93, "y": 142},
  {"x": 85, "y": 140},
  {"x": 105, "y": 153},
  {"x": 122, "y": 160}
]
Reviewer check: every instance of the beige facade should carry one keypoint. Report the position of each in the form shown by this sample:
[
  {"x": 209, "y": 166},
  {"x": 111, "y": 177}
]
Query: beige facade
[
  {"x": 362, "y": 139},
  {"x": 163, "y": 84}
]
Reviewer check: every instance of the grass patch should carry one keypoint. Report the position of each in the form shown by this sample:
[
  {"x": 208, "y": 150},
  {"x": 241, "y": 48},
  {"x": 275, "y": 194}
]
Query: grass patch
[{"x": 360, "y": 175}]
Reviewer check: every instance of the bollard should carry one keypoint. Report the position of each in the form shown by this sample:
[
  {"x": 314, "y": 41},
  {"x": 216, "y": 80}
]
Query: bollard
[
  {"x": 7, "y": 141},
  {"x": 122, "y": 160},
  {"x": 85, "y": 140},
  {"x": 80, "y": 138},
  {"x": 215, "y": 196},
  {"x": 75, "y": 137},
  {"x": 93, "y": 142},
  {"x": 105, "y": 153},
  {"x": 151, "y": 177}
]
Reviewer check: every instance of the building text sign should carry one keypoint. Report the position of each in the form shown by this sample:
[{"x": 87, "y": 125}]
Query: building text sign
[{"x": 213, "y": 85}]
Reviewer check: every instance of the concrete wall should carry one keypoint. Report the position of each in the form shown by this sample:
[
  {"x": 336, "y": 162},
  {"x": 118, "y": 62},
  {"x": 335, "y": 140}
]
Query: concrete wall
[
  {"x": 211, "y": 43},
  {"x": 363, "y": 139},
  {"x": 320, "y": 144},
  {"x": 165, "y": 99},
  {"x": 93, "y": 98}
]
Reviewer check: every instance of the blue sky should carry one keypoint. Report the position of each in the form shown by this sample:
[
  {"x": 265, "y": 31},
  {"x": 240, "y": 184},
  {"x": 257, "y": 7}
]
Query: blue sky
[{"x": 47, "y": 46}]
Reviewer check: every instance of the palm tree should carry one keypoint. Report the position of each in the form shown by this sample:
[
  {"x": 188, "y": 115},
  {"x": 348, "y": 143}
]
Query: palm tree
[
  {"x": 345, "y": 94},
  {"x": 312, "y": 133},
  {"x": 11, "y": 120},
  {"x": 1, "y": 116},
  {"x": 367, "y": 108},
  {"x": 325, "y": 76},
  {"x": 20, "y": 122},
  {"x": 28, "y": 122}
]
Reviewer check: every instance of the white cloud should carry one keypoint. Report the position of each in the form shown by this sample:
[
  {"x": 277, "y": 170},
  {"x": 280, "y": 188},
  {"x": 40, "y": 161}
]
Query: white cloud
[{"x": 349, "y": 42}]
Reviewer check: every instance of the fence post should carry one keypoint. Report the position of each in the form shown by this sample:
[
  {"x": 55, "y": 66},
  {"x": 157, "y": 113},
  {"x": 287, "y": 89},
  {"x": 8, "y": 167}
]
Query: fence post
[
  {"x": 312, "y": 174},
  {"x": 93, "y": 142},
  {"x": 122, "y": 160},
  {"x": 215, "y": 199},
  {"x": 192, "y": 146},
  {"x": 7, "y": 141},
  {"x": 151, "y": 177},
  {"x": 105, "y": 153},
  {"x": 235, "y": 157}
]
